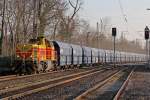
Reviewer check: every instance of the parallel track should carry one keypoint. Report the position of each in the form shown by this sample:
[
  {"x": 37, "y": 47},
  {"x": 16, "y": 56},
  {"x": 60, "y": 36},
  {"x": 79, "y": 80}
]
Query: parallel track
[
  {"x": 99, "y": 85},
  {"x": 15, "y": 77},
  {"x": 123, "y": 87},
  {"x": 36, "y": 87},
  {"x": 32, "y": 88},
  {"x": 7, "y": 77},
  {"x": 68, "y": 89},
  {"x": 93, "y": 92},
  {"x": 8, "y": 82}
]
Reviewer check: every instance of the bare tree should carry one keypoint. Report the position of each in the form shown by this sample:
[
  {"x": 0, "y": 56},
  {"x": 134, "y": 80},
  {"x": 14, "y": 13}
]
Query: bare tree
[{"x": 68, "y": 21}]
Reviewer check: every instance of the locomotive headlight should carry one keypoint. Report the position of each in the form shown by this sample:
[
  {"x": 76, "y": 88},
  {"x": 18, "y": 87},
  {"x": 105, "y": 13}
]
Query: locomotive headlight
[{"x": 18, "y": 56}]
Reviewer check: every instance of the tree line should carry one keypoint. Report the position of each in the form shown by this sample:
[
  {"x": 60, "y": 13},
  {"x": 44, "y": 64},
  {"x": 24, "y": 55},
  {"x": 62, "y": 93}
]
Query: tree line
[{"x": 22, "y": 20}]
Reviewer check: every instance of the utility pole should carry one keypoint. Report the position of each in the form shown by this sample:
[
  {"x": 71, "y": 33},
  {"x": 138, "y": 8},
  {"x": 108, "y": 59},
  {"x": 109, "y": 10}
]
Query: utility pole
[
  {"x": 114, "y": 33},
  {"x": 146, "y": 30},
  {"x": 97, "y": 35},
  {"x": 87, "y": 38},
  {"x": 101, "y": 32}
]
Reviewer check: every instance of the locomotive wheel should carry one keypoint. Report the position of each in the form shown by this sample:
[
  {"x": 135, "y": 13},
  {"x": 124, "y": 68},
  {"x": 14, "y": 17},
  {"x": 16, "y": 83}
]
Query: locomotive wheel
[
  {"x": 30, "y": 68},
  {"x": 50, "y": 66},
  {"x": 16, "y": 67},
  {"x": 45, "y": 67},
  {"x": 40, "y": 68}
]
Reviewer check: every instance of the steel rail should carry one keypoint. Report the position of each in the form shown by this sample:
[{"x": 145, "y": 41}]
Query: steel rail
[
  {"x": 100, "y": 84},
  {"x": 123, "y": 87},
  {"x": 6, "y": 77},
  {"x": 15, "y": 77},
  {"x": 54, "y": 83}
]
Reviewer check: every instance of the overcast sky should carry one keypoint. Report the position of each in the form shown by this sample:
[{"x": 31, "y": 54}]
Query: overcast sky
[{"x": 135, "y": 10}]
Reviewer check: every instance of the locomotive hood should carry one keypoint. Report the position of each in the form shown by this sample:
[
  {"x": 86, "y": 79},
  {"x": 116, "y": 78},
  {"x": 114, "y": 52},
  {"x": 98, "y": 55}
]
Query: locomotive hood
[{"x": 24, "y": 51}]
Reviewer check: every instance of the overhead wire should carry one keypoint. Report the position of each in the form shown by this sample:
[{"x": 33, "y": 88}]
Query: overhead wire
[
  {"x": 124, "y": 16},
  {"x": 122, "y": 11}
]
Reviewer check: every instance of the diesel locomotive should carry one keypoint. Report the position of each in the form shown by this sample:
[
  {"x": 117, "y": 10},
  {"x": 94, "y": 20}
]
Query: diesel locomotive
[{"x": 42, "y": 55}]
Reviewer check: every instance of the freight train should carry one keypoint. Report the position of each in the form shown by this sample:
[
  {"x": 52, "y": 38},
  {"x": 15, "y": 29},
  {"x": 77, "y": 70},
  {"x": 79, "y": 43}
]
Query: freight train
[{"x": 42, "y": 55}]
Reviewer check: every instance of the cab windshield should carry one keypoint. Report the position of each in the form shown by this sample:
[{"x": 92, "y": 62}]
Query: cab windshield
[{"x": 33, "y": 41}]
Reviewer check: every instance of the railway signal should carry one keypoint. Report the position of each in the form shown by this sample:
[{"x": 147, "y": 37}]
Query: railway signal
[
  {"x": 114, "y": 33},
  {"x": 146, "y": 31}
]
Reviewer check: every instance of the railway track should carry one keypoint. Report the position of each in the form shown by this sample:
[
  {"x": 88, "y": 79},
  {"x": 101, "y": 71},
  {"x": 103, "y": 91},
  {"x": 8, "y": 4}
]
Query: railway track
[
  {"x": 58, "y": 90},
  {"x": 123, "y": 87},
  {"x": 15, "y": 77},
  {"x": 32, "y": 87},
  {"x": 17, "y": 81},
  {"x": 106, "y": 89},
  {"x": 7, "y": 77},
  {"x": 137, "y": 86}
]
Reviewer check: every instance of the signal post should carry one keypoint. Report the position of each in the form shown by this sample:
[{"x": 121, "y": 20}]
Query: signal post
[
  {"x": 146, "y": 30},
  {"x": 114, "y": 33}
]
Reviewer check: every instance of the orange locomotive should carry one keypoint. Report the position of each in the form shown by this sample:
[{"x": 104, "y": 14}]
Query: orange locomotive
[{"x": 37, "y": 56}]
